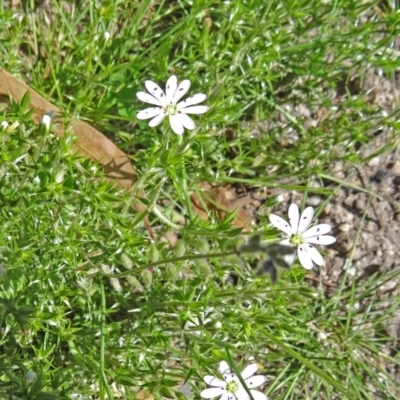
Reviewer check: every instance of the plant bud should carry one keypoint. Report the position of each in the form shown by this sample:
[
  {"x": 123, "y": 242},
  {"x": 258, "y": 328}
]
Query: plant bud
[
  {"x": 154, "y": 255},
  {"x": 180, "y": 248},
  {"x": 203, "y": 245},
  {"x": 147, "y": 278},
  {"x": 126, "y": 261},
  {"x": 134, "y": 282},
  {"x": 172, "y": 272},
  {"x": 203, "y": 267}
]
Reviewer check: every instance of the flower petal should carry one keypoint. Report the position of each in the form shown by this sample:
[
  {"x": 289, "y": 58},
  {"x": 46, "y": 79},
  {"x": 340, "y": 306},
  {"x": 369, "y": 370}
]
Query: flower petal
[
  {"x": 281, "y": 224},
  {"x": 325, "y": 239},
  {"x": 156, "y": 91},
  {"x": 210, "y": 393},
  {"x": 258, "y": 395},
  {"x": 226, "y": 396},
  {"x": 241, "y": 394},
  {"x": 305, "y": 219},
  {"x": 195, "y": 109},
  {"x": 149, "y": 112},
  {"x": 147, "y": 98},
  {"x": 176, "y": 124},
  {"x": 224, "y": 368},
  {"x": 183, "y": 87},
  {"x": 293, "y": 214},
  {"x": 317, "y": 230},
  {"x": 255, "y": 381},
  {"x": 289, "y": 258},
  {"x": 157, "y": 120},
  {"x": 314, "y": 254},
  {"x": 213, "y": 381},
  {"x": 186, "y": 121},
  {"x": 170, "y": 88},
  {"x": 249, "y": 371},
  {"x": 304, "y": 257},
  {"x": 194, "y": 99}
]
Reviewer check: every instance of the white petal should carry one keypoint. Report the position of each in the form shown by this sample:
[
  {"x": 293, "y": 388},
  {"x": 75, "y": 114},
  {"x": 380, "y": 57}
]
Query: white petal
[
  {"x": 314, "y": 254},
  {"x": 186, "y": 121},
  {"x": 183, "y": 87},
  {"x": 195, "y": 109},
  {"x": 194, "y": 99},
  {"x": 225, "y": 396},
  {"x": 176, "y": 124},
  {"x": 157, "y": 120},
  {"x": 289, "y": 258},
  {"x": 228, "y": 396},
  {"x": 256, "y": 381},
  {"x": 326, "y": 239},
  {"x": 305, "y": 219},
  {"x": 156, "y": 91},
  {"x": 249, "y": 371},
  {"x": 317, "y": 230},
  {"x": 210, "y": 393},
  {"x": 304, "y": 257},
  {"x": 147, "y": 98},
  {"x": 293, "y": 214},
  {"x": 258, "y": 395},
  {"x": 241, "y": 394},
  {"x": 170, "y": 88},
  {"x": 224, "y": 368},
  {"x": 280, "y": 223},
  {"x": 149, "y": 112},
  {"x": 213, "y": 381}
]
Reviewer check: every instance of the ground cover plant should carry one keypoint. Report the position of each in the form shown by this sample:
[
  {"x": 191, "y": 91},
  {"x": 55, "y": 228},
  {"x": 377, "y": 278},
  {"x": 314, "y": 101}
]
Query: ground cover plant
[{"x": 206, "y": 303}]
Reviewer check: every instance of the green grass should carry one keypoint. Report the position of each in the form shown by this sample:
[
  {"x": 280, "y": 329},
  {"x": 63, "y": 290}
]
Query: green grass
[{"x": 65, "y": 232}]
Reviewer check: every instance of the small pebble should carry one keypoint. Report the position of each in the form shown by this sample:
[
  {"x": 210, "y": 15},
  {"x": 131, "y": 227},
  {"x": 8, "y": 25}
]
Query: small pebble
[
  {"x": 345, "y": 227},
  {"x": 374, "y": 162},
  {"x": 313, "y": 201}
]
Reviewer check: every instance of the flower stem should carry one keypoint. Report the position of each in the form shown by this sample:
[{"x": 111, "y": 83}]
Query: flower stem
[
  {"x": 172, "y": 260},
  {"x": 103, "y": 378},
  {"x": 237, "y": 372}
]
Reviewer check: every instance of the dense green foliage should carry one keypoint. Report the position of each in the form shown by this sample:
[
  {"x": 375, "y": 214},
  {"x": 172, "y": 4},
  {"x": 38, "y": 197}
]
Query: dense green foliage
[{"x": 66, "y": 233}]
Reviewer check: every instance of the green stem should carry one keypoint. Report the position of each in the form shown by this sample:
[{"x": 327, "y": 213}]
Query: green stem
[
  {"x": 172, "y": 260},
  {"x": 309, "y": 365},
  {"x": 237, "y": 372},
  {"x": 103, "y": 344}
]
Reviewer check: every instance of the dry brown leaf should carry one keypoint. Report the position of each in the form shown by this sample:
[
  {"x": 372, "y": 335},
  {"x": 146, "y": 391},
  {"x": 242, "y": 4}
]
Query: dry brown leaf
[
  {"x": 218, "y": 199},
  {"x": 91, "y": 143}
]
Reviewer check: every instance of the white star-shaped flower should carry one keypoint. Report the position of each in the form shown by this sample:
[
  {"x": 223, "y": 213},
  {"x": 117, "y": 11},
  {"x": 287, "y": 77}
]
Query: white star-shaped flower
[
  {"x": 230, "y": 388},
  {"x": 302, "y": 237},
  {"x": 167, "y": 104}
]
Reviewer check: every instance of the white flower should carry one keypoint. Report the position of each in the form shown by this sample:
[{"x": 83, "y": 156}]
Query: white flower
[
  {"x": 106, "y": 36},
  {"x": 301, "y": 236},
  {"x": 167, "y": 104},
  {"x": 4, "y": 125},
  {"x": 45, "y": 122},
  {"x": 230, "y": 388}
]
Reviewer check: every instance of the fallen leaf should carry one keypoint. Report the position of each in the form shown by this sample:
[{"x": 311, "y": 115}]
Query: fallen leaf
[
  {"x": 219, "y": 199},
  {"x": 91, "y": 143}
]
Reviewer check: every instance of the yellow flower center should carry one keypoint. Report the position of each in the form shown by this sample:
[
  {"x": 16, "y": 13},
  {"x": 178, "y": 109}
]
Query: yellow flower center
[
  {"x": 232, "y": 387},
  {"x": 171, "y": 109},
  {"x": 296, "y": 239}
]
